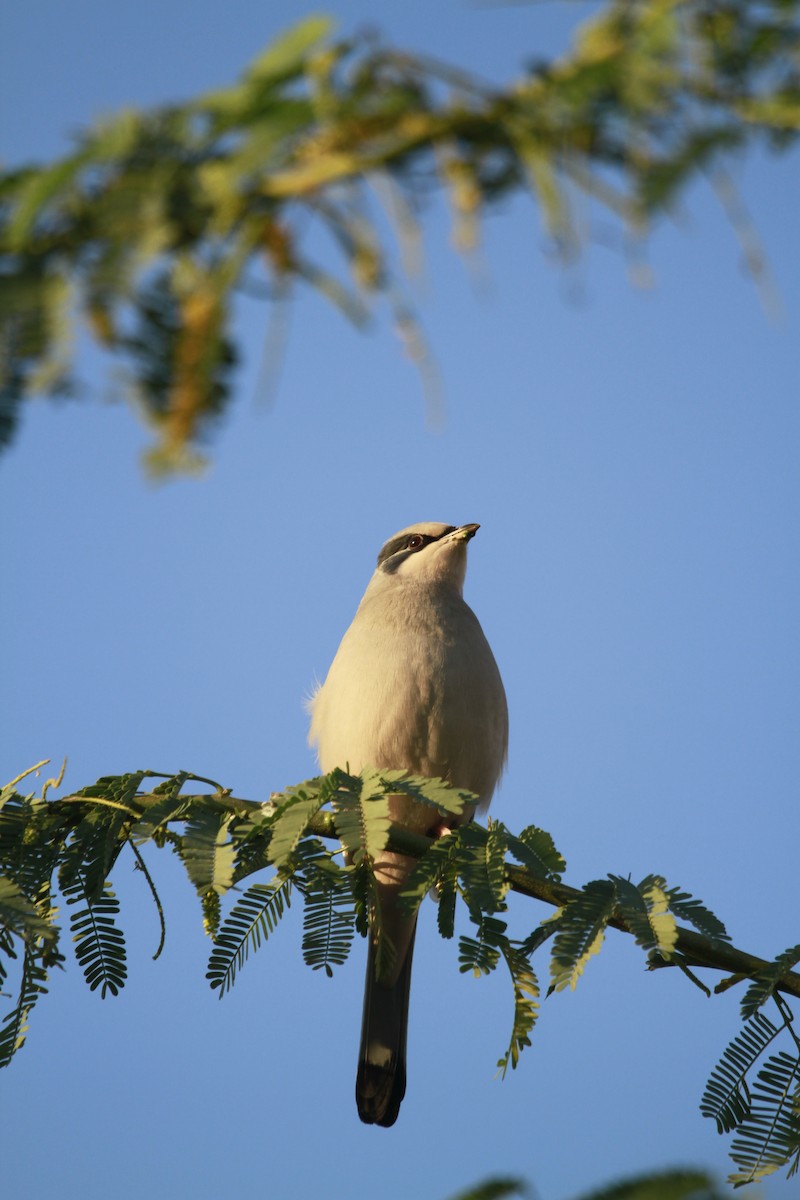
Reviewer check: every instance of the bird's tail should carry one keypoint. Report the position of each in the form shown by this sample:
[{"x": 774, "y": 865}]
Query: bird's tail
[{"x": 381, "y": 1078}]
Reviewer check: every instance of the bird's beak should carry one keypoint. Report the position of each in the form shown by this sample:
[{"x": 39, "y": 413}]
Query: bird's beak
[{"x": 463, "y": 533}]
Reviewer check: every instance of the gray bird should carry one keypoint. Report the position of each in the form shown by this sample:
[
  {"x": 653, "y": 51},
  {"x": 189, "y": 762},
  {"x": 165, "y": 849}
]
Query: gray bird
[{"x": 413, "y": 686}]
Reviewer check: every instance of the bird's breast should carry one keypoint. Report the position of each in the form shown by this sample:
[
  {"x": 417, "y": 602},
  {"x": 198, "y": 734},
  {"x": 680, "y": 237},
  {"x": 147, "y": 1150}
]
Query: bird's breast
[{"x": 414, "y": 688}]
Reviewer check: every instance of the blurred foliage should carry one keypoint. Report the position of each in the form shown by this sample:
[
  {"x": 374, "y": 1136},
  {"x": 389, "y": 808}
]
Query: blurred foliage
[
  {"x": 71, "y": 845},
  {"x": 145, "y": 233},
  {"x": 663, "y": 1185}
]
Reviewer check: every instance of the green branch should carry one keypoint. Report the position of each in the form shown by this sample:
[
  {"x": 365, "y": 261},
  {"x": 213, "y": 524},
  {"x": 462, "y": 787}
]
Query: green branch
[
  {"x": 73, "y": 843},
  {"x": 696, "y": 949}
]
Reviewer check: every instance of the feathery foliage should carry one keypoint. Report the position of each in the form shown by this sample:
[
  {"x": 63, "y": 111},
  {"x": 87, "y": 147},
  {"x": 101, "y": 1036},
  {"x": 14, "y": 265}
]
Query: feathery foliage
[
  {"x": 580, "y": 931},
  {"x": 662, "y": 1185},
  {"x": 74, "y": 843},
  {"x": 32, "y": 985},
  {"x": 726, "y": 1098},
  {"x": 99, "y": 944},
  {"x": 763, "y": 986},
  {"x": 769, "y": 1136},
  {"x": 688, "y": 908},
  {"x": 535, "y": 849},
  {"x": 249, "y": 923},
  {"x": 494, "y": 1189},
  {"x": 146, "y": 231},
  {"x": 763, "y": 1112},
  {"x": 481, "y": 955},
  {"x": 288, "y": 825},
  {"x": 328, "y": 917},
  {"x": 206, "y": 849}
]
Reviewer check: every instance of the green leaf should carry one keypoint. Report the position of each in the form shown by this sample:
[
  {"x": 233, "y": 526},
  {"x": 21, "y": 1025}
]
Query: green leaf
[
  {"x": 348, "y": 301},
  {"x": 547, "y": 929},
  {"x": 207, "y": 851},
  {"x": 290, "y": 821},
  {"x": 686, "y": 908},
  {"x": 494, "y": 1189},
  {"x": 726, "y": 1099},
  {"x": 581, "y": 930},
  {"x": 36, "y": 191},
  {"x": 646, "y": 910},
  {"x": 496, "y": 846},
  {"x": 362, "y": 816},
  {"x": 248, "y": 925},
  {"x": 20, "y": 916},
  {"x": 328, "y": 917},
  {"x": 115, "y": 791},
  {"x": 32, "y": 835},
  {"x": 546, "y": 183},
  {"x": 482, "y": 954},
  {"x": 170, "y": 806},
  {"x": 33, "y": 984},
  {"x": 526, "y": 1003},
  {"x": 769, "y": 1135},
  {"x": 99, "y": 944},
  {"x": 447, "y": 895},
  {"x": 446, "y": 799},
  {"x": 93, "y": 847},
  {"x": 287, "y": 54},
  {"x": 662, "y": 1185},
  {"x": 440, "y": 861},
  {"x": 764, "y": 984},
  {"x": 534, "y": 848},
  {"x": 482, "y": 879}
]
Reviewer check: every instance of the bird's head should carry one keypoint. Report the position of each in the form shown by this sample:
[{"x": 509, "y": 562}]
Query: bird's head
[{"x": 427, "y": 553}]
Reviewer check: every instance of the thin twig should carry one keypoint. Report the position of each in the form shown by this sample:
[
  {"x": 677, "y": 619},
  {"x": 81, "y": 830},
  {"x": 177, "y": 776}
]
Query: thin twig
[{"x": 156, "y": 898}]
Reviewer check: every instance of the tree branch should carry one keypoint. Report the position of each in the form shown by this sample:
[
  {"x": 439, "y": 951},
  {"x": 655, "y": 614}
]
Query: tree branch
[{"x": 696, "y": 949}]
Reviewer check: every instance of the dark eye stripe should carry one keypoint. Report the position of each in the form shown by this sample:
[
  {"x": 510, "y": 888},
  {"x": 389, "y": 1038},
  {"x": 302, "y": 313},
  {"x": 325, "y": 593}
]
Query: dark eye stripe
[{"x": 398, "y": 544}]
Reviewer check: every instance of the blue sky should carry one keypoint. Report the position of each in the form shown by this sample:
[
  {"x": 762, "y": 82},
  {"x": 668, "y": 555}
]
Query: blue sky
[{"x": 632, "y": 456}]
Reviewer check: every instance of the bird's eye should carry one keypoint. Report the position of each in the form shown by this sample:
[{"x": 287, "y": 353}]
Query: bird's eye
[{"x": 415, "y": 541}]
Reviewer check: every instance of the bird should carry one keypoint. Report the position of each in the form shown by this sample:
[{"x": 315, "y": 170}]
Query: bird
[{"x": 413, "y": 686}]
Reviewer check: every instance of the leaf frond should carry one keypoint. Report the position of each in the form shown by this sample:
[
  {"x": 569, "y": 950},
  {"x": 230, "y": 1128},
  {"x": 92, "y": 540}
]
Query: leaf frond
[
  {"x": 99, "y": 943},
  {"x": 534, "y": 849},
  {"x": 662, "y": 1185},
  {"x": 253, "y": 918},
  {"x": 481, "y": 955},
  {"x": 33, "y": 984},
  {"x": 646, "y": 910},
  {"x": 92, "y": 850},
  {"x": 328, "y": 916},
  {"x": 438, "y": 866},
  {"x": 361, "y": 807},
  {"x": 206, "y": 849},
  {"x": 436, "y": 793},
  {"x": 726, "y": 1098},
  {"x": 580, "y": 932},
  {"x": 763, "y": 986},
  {"x": 526, "y": 1003},
  {"x": 768, "y": 1137},
  {"x": 481, "y": 866},
  {"x": 687, "y": 908},
  {"x": 495, "y": 1189},
  {"x": 21, "y": 917},
  {"x": 294, "y": 811}
]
